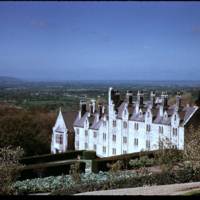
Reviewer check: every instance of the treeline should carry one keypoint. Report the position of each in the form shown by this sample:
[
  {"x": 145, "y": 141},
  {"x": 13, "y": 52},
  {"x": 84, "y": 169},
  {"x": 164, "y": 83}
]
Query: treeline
[{"x": 29, "y": 129}]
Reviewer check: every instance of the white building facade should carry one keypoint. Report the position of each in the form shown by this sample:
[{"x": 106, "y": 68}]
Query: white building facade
[{"x": 128, "y": 126}]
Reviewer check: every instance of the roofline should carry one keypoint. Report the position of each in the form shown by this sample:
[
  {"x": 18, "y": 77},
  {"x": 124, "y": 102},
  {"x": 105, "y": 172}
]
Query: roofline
[{"x": 196, "y": 108}]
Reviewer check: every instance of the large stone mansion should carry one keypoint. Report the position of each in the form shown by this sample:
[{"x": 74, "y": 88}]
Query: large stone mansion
[{"x": 128, "y": 126}]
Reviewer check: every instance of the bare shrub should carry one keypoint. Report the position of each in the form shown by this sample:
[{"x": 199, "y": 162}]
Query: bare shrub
[{"x": 75, "y": 172}]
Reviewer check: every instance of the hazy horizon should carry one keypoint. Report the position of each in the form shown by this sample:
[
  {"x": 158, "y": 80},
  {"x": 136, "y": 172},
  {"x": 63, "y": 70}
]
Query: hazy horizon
[{"x": 139, "y": 41}]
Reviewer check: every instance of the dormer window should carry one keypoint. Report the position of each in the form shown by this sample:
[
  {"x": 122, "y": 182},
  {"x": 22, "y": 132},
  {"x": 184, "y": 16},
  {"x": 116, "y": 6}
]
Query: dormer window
[
  {"x": 148, "y": 114},
  {"x": 104, "y": 123},
  {"x": 114, "y": 123},
  {"x": 125, "y": 112}
]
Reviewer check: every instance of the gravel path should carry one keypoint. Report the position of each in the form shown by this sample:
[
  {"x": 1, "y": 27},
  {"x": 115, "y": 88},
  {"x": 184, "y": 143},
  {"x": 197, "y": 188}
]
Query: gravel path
[{"x": 173, "y": 189}]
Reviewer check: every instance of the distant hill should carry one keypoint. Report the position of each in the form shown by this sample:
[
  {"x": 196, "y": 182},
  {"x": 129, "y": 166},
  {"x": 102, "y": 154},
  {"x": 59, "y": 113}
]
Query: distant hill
[{"x": 10, "y": 81}]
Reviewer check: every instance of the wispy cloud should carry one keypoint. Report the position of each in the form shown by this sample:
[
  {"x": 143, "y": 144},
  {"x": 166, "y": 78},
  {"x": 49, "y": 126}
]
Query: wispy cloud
[{"x": 41, "y": 24}]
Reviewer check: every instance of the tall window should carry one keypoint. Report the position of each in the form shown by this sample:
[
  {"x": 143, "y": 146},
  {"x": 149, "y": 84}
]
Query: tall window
[
  {"x": 104, "y": 136},
  {"x": 124, "y": 140},
  {"x": 174, "y": 131},
  {"x": 136, "y": 126},
  {"x": 59, "y": 139},
  {"x": 95, "y": 147},
  {"x": 86, "y": 133},
  {"x": 104, "y": 123},
  {"x": 86, "y": 145},
  {"x": 148, "y": 128},
  {"x": 114, "y": 151},
  {"x": 104, "y": 149},
  {"x": 77, "y": 144},
  {"x": 95, "y": 134},
  {"x": 114, "y": 123},
  {"x": 160, "y": 129},
  {"x": 125, "y": 124},
  {"x": 77, "y": 131},
  {"x": 148, "y": 144},
  {"x": 114, "y": 138},
  {"x": 124, "y": 151},
  {"x": 136, "y": 141}
]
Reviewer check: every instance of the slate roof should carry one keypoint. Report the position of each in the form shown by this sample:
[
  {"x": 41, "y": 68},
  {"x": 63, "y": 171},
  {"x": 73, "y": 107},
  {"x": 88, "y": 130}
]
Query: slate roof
[
  {"x": 80, "y": 122},
  {"x": 97, "y": 125},
  {"x": 59, "y": 129},
  {"x": 72, "y": 118},
  {"x": 69, "y": 118},
  {"x": 121, "y": 109}
]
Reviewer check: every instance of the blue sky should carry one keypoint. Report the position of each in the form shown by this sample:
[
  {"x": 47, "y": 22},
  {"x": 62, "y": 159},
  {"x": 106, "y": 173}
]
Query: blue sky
[{"x": 100, "y": 40}]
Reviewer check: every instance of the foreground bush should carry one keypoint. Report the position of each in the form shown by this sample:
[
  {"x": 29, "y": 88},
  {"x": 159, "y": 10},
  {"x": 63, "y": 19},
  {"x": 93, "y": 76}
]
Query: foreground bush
[
  {"x": 106, "y": 180},
  {"x": 143, "y": 161},
  {"x": 9, "y": 168}
]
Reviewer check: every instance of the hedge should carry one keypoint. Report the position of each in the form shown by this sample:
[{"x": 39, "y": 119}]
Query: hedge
[
  {"x": 48, "y": 169},
  {"x": 51, "y": 157},
  {"x": 90, "y": 155},
  {"x": 102, "y": 164},
  {"x": 129, "y": 181}
]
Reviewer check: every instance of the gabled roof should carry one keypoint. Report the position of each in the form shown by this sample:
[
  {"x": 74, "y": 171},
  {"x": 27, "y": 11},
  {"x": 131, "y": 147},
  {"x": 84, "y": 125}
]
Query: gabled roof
[
  {"x": 69, "y": 117},
  {"x": 137, "y": 117},
  {"x": 121, "y": 109},
  {"x": 72, "y": 118},
  {"x": 189, "y": 113},
  {"x": 80, "y": 122},
  {"x": 97, "y": 125}
]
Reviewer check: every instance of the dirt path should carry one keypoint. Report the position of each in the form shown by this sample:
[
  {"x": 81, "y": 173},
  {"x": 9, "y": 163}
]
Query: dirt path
[{"x": 173, "y": 189}]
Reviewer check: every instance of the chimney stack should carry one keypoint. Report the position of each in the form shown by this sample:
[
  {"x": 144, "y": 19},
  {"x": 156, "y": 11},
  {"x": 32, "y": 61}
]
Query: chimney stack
[
  {"x": 140, "y": 98},
  {"x": 115, "y": 96},
  {"x": 83, "y": 107},
  {"x": 178, "y": 100},
  {"x": 164, "y": 97},
  {"x": 129, "y": 96},
  {"x": 92, "y": 106},
  {"x": 153, "y": 98},
  {"x": 101, "y": 110}
]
